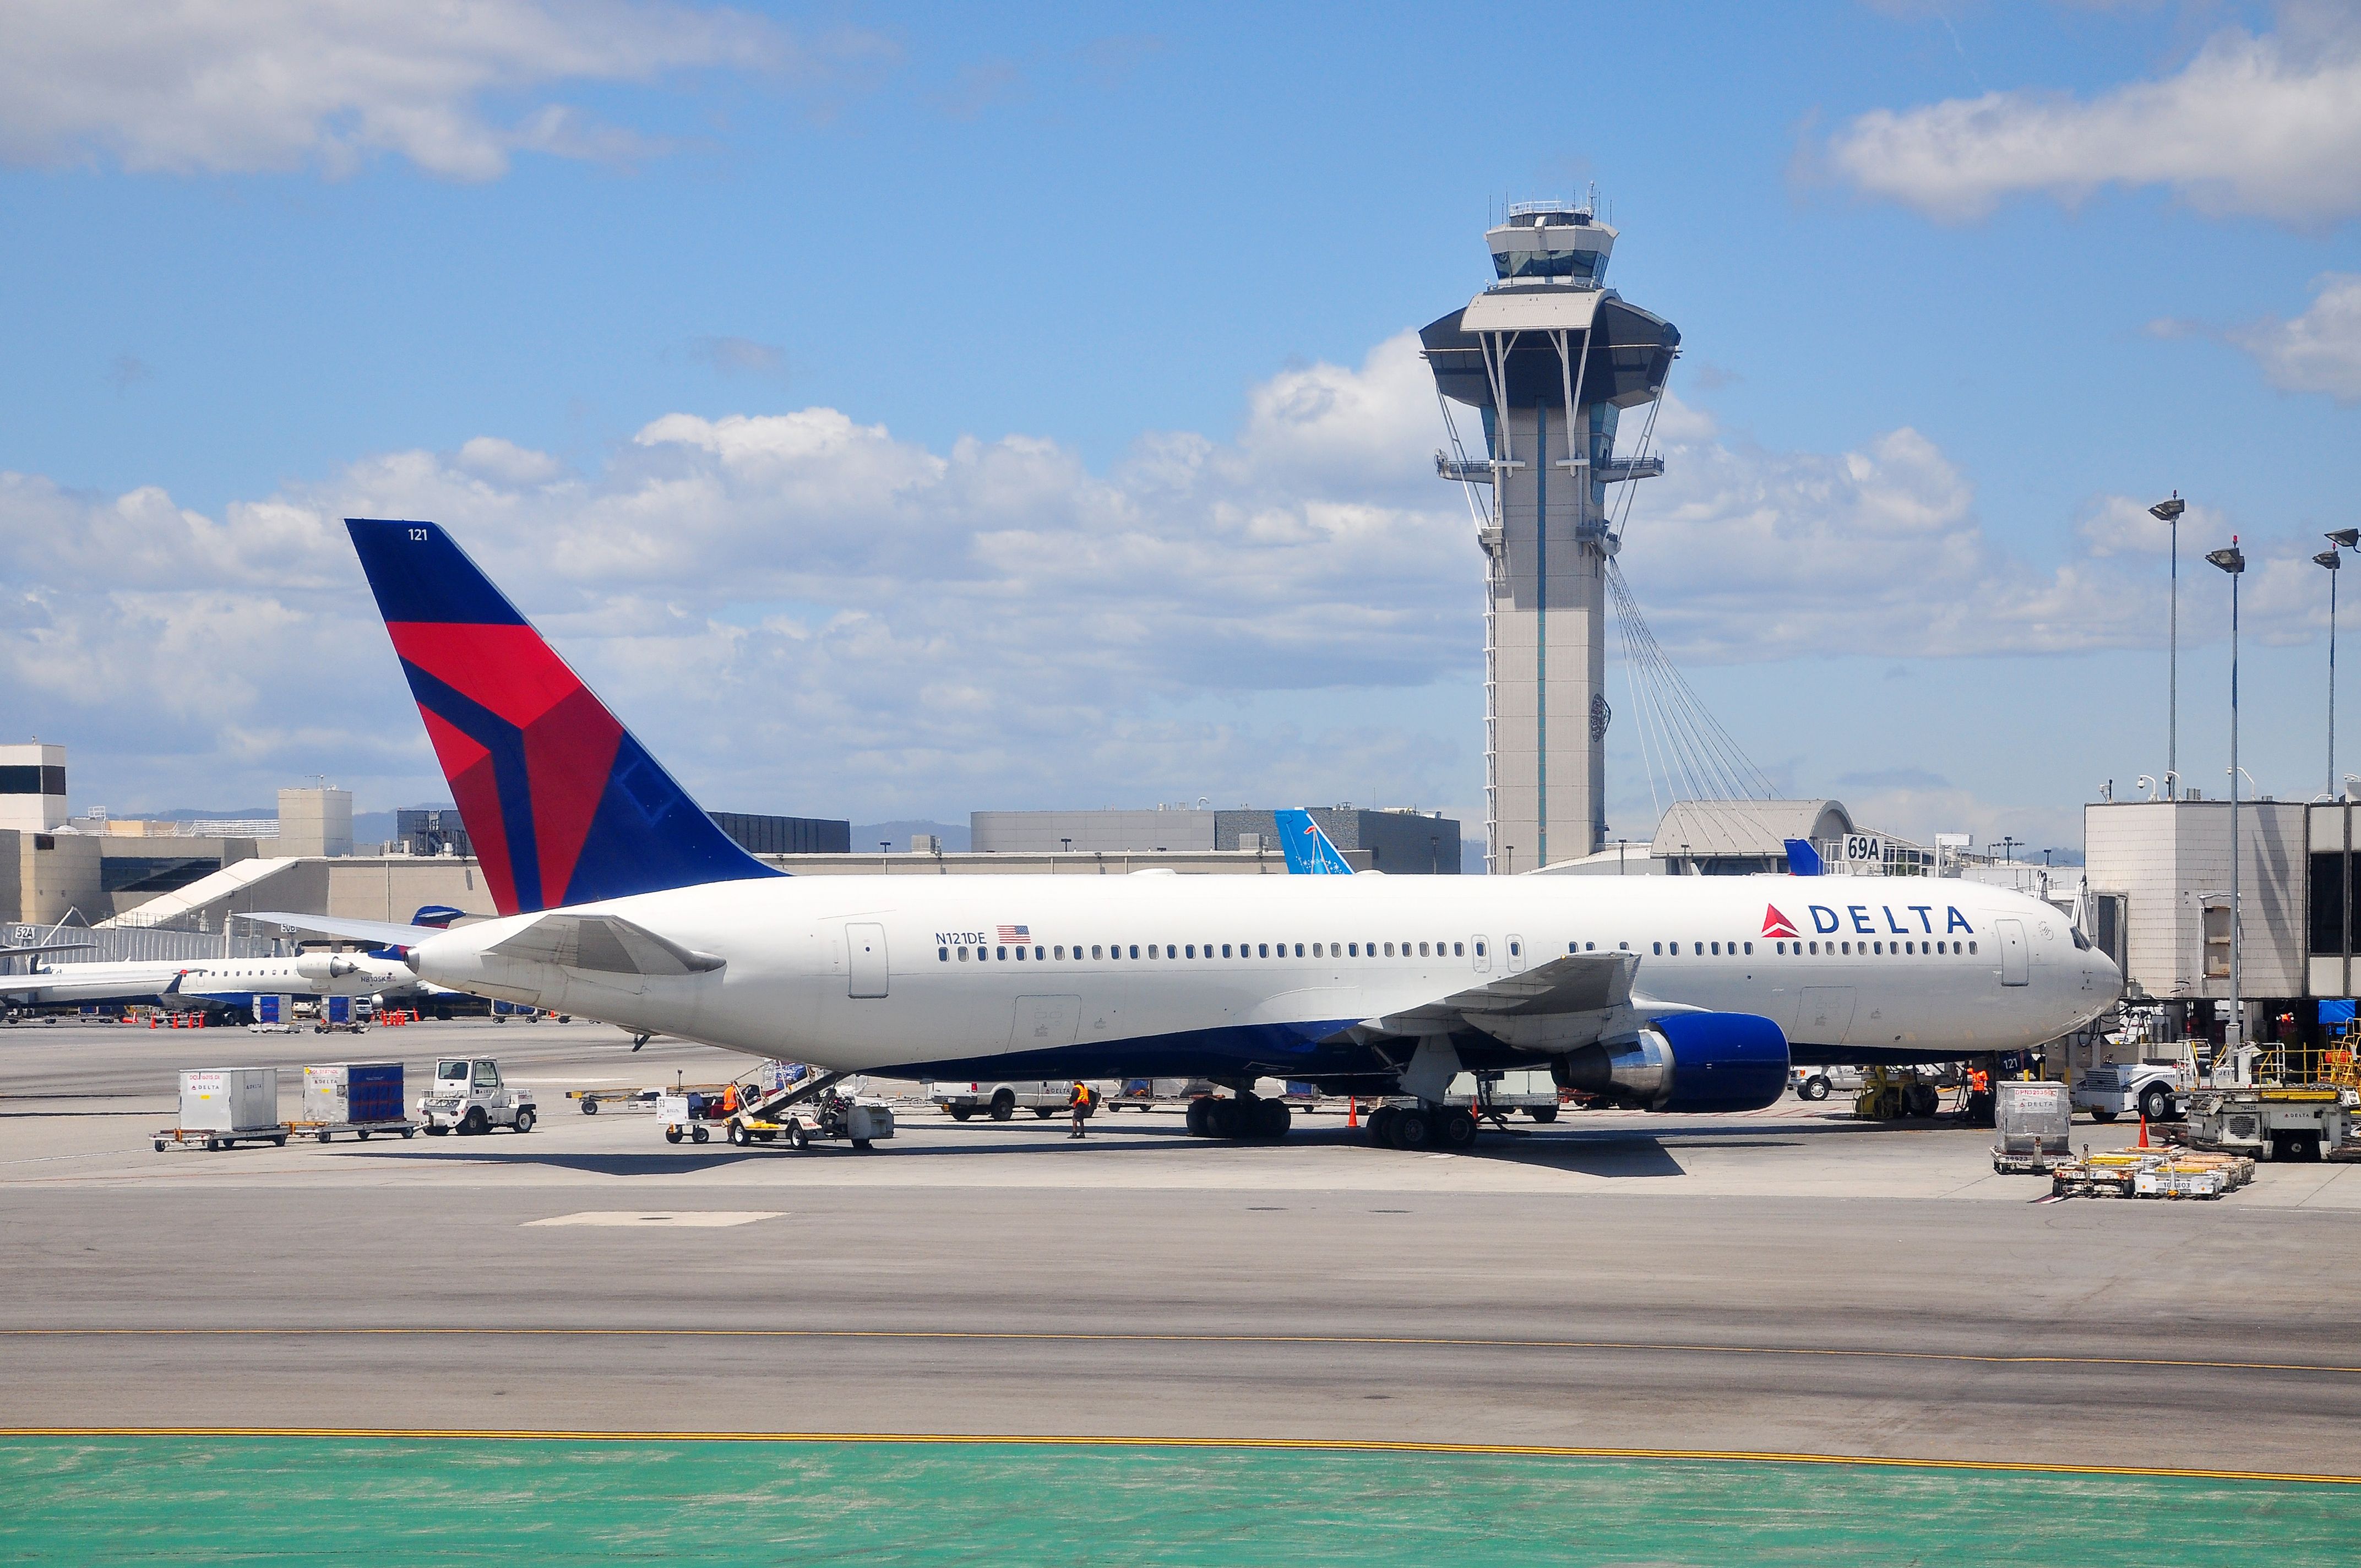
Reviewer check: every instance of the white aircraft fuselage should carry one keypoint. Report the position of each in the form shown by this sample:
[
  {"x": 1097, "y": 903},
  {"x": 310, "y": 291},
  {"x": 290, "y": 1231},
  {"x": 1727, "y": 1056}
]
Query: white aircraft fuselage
[
  {"x": 204, "y": 982},
  {"x": 1154, "y": 974}
]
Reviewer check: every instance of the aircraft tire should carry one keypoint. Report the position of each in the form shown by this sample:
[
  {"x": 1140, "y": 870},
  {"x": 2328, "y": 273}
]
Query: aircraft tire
[
  {"x": 1381, "y": 1124},
  {"x": 1458, "y": 1129},
  {"x": 1228, "y": 1119},
  {"x": 1271, "y": 1119},
  {"x": 1544, "y": 1114},
  {"x": 1412, "y": 1129},
  {"x": 1201, "y": 1117}
]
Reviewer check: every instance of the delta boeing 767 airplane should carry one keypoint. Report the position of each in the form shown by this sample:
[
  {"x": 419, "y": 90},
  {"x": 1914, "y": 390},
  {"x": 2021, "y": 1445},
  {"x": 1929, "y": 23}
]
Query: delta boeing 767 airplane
[{"x": 621, "y": 900}]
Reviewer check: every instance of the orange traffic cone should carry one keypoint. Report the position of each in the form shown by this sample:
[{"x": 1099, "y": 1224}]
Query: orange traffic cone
[
  {"x": 1353, "y": 1111},
  {"x": 2143, "y": 1143}
]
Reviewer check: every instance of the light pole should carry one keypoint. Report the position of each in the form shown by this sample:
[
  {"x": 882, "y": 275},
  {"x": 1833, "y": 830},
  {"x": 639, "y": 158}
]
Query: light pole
[
  {"x": 2234, "y": 561},
  {"x": 2008, "y": 848},
  {"x": 2339, "y": 541},
  {"x": 2170, "y": 512}
]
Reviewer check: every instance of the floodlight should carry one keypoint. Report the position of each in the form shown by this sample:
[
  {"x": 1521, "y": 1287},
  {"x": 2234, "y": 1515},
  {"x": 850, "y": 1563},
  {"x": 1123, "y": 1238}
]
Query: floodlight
[
  {"x": 2344, "y": 538},
  {"x": 2168, "y": 511},
  {"x": 2233, "y": 560},
  {"x": 2328, "y": 558}
]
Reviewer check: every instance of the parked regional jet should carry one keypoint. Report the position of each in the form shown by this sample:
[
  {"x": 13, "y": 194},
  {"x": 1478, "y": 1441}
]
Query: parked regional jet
[
  {"x": 213, "y": 985},
  {"x": 619, "y": 899}
]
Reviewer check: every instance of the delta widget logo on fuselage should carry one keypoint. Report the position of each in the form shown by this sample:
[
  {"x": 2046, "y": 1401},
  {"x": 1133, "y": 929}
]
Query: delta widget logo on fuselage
[{"x": 1826, "y": 922}]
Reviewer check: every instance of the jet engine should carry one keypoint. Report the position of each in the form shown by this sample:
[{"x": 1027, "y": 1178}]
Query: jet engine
[
  {"x": 1685, "y": 1062},
  {"x": 320, "y": 968}
]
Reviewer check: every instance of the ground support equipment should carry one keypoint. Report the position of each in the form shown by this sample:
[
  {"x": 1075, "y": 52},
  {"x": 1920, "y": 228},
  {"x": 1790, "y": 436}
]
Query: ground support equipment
[
  {"x": 203, "y": 1139},
  {"x": 2299, "y": 1123},
  {"x": 326, "y": 1130},
  {"x": 593, "y": 1101},
  {"x": 2167, "y": 1170}
]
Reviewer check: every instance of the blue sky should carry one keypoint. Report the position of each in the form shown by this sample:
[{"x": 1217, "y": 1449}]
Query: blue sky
[{"x": 899, "y": 411}]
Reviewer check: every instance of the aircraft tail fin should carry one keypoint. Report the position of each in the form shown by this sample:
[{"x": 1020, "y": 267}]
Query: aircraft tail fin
[
  {"x": 1308, "y": 852},
  {"x": 1802, "y": 859},
  {"x": 562, "y": 805}
]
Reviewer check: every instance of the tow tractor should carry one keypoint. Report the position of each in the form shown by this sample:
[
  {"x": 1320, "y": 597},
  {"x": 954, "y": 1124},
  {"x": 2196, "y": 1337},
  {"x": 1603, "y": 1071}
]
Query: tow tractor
[
  {"x": 468, "y": 1096},
  {"x": 2158, "y": 1088}
]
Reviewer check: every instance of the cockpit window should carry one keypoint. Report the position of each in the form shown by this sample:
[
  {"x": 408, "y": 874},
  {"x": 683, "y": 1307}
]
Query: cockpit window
[{"x": 2081, "y": 941}]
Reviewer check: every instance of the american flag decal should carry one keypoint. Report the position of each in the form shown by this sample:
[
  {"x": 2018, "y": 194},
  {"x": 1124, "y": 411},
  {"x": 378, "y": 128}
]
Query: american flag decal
[{"x": 1016, "y": 932}]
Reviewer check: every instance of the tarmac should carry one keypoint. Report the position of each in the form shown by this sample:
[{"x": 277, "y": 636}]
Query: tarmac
[{"x": 1792, "y": 1282}]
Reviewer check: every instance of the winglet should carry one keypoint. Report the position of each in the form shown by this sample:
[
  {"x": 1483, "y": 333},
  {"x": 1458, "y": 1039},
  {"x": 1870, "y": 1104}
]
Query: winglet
[
  {"x": 1803, "y": 859},
  {"x": 562, "y": 805},
  {"x": 1308, "y": 850}
]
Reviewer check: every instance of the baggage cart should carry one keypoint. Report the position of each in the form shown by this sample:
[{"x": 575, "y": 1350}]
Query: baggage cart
[
  {"x": 2035, "y": 1124},
  {"x": 359, "y": 1098},
  {"x": 222, "y": 1107}
]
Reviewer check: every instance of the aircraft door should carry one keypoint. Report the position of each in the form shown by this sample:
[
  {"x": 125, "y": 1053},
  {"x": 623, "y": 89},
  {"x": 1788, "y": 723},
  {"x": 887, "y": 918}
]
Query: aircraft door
[
  {"x": 2012, "y": 951},
  {"x": 865, "y": 944}
]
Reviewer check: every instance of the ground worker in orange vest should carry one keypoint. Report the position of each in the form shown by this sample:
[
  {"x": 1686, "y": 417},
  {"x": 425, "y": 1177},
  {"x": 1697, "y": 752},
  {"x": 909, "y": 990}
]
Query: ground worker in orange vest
[
  {"x": 729, "y": 1100},
  {"x": 1079, "y": 1103}
]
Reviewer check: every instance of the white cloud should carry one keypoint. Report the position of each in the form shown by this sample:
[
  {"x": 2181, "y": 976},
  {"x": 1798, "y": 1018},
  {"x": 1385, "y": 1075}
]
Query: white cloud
[
  {"x": 2269, "y": 125},
  {"x": 805, "y": 611},
  {"x": 2319, "y": 351},
  {"x": 233, "y": 86}
]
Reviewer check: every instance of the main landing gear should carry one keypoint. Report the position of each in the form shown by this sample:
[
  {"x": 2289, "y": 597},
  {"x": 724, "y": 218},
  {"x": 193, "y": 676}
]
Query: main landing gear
[
  {"x": 1424, "y": 1126},
  {"x": 1238, "y": 1118}
]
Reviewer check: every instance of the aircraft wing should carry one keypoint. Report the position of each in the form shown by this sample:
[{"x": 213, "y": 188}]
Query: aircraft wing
[
  {"x": 384, "y": 933},
  {"x": 1554, "y": 1006},
  {"x": 15, "y": 952}
]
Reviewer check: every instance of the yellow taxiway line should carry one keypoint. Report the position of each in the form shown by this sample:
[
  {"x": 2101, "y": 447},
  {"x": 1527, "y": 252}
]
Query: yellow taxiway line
[{"x": 1283, "y": 1444}]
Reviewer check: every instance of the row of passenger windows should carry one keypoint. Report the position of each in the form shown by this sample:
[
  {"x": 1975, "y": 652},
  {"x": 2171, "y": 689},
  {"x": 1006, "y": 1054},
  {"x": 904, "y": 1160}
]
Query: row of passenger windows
[{"x": 1225, "y": 950}]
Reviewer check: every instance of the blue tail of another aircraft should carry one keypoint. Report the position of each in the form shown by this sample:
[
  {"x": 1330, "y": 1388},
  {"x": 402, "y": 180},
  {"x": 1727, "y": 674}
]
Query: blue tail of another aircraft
[
  {"x": 1802, "y": 859},
  {"x": 1309, "y": 852}
]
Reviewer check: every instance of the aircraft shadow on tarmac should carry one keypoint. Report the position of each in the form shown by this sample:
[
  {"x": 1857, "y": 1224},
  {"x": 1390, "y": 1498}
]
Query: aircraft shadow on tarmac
[{"x": 1605, "y": 1152}]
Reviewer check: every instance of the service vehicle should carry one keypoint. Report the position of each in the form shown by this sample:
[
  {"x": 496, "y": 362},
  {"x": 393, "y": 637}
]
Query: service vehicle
[
  {"x": 468, "y": 1096},
  {"x": 2300, "y": 1123},
  {"x": 1044, "y": 1097},
  {"x": 833, "y": 1114},
  {"x": 1817, "y": 1083},
  {"x": 340, "y": 1015},
  {"x": 2156, "y": 1088}
]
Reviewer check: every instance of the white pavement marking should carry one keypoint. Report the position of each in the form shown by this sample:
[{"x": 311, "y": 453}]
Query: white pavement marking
[{"x": 694, "y": 1219}]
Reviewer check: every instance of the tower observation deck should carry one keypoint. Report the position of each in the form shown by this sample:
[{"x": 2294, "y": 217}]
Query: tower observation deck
[{"x": 1550, "y": 356}]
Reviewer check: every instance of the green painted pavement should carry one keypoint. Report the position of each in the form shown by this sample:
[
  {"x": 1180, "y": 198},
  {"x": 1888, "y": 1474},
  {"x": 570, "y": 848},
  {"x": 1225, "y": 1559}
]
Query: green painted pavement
[{"x": 556, "y": 1501}]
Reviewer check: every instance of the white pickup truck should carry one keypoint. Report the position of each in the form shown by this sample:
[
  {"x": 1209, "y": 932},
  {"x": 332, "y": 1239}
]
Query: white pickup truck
[
  {"x": 2155, "y": 1088},
  {"x": 1045, "y": 1098}
]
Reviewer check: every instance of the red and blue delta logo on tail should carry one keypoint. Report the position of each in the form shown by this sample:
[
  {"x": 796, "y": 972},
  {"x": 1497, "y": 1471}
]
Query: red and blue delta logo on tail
[
  {"x": 561, "y": 803},
  {"x": 1777, "y": 925}
]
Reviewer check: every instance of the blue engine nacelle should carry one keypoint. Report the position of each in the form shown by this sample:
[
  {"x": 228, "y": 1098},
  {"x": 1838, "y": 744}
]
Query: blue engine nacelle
[{"x": 1686, "y": 1063}]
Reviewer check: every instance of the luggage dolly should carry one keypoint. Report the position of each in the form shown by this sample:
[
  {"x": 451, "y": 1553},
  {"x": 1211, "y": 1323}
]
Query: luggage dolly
[{"x": 213, "y": 1138}]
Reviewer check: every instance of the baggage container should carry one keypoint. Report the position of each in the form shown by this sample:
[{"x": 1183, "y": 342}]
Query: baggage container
[
  {"x": 229, "y": 1099},
  {"x": 269, "y": 1009},
  {"x": 341, "y": 1093},
  {"x": 2033, "y": 1118}
]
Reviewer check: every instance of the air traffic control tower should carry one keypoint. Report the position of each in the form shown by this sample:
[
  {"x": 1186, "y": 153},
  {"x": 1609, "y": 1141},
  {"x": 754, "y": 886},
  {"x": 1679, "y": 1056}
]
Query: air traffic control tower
[{"x": 1550, "y": 357}]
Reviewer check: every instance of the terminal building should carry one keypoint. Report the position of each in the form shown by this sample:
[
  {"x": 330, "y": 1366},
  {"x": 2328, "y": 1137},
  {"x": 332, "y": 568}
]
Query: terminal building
[{"x": 1400, "y": 842}]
